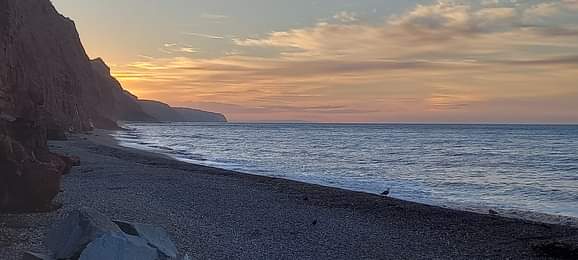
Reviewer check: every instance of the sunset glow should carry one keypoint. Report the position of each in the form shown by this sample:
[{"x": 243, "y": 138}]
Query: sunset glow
[{"x": 368, "y": 61}]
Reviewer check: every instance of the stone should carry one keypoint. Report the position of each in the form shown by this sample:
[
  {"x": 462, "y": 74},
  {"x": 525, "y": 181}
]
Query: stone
[
  {"x": 157, "y": 237},
  {"x": 67, "y": 164},
  {"x": 36, "y": 256},
  {"x": 119, "y": 246},
  {"x": 7, "y": 117},
  {"x": 55, "y": 134},
  {"x": 68, "y": 238},
  {"x": 557, "y": 249},
  {"x": 74, "y": 160}
]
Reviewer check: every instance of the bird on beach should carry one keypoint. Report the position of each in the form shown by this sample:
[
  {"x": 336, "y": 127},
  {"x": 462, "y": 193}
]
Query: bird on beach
[{"x": 385, "y": 193}]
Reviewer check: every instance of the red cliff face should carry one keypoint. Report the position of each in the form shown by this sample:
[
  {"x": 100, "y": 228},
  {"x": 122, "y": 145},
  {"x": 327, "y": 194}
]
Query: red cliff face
[
  {"x": 42, "y": 69},
  {"x": 47, "y": 85},
  {"x": 43, "y": 66}
]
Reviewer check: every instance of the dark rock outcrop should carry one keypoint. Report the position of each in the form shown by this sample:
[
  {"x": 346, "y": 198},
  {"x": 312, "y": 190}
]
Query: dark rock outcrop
[{"x": 165, "y": 113}]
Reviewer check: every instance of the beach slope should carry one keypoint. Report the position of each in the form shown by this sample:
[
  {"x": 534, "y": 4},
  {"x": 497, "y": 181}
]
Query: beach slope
[{"x": 219, "y": 214}]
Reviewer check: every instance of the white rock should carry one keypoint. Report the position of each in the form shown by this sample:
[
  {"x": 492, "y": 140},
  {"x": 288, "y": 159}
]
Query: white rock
[
  {"x": 68, "y": 238},
  {"x": 115, "y": 246},
  {"x": 157, "y": 237}
]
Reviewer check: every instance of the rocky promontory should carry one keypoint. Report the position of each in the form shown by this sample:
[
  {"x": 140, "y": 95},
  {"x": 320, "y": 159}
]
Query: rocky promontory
[{"x": 165, "y": 113}]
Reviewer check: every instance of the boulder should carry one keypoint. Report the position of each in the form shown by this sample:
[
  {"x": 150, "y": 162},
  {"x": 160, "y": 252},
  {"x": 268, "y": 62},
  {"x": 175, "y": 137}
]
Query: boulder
[
  {"x": 68, "y": 238},
  {"x": 56, "y": 134},
  {"x": 562, "y": 249},
  {"x": 36, "y": 256},
  {"x": 74, "y": 160},
  {"x": 155, "y": 236},
  {"x": 119, "y": 246},
  {"x": 29, "y": 174},
  {"x": 67, "y": 164},
  {"x": 37, "y": 186}
]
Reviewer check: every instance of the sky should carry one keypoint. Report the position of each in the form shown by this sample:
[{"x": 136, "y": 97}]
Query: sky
[{"x": 487, "y": 61}]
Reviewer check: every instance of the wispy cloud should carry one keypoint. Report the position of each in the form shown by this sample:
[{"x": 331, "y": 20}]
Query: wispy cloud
[
  {"x": 202, "y": 35},
  {"x": 442, "y": 61},
  {"x": 172, "y": 48},
  {"x": 145, "y": 57},
  {"x": 543, "y": 10},
  {"x": 214, "y": 16},
  {"x": 438, "y": 29},
  {"x": 188, "y": 50},
  {"x": 345, "y": 16}
]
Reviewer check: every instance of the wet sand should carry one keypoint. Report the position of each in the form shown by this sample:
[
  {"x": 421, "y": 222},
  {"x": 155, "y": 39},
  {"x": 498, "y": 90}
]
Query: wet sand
[{"x": 219, "y": 214}]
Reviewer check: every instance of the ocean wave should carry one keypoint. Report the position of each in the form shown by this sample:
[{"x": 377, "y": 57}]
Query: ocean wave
[{"x": 505, "y": 167}]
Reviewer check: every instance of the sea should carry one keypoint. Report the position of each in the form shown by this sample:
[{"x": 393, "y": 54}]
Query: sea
[{"x": 510, "y": 168}]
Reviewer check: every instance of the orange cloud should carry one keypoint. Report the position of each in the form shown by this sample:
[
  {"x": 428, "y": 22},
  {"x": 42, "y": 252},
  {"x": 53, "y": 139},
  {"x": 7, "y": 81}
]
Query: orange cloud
[{"x": 439, "y": 62}]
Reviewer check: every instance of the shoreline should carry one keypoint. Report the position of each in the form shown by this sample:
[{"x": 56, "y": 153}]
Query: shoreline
[
  {"x": 215, "y": 213},
  {"x": 105, "y": 137}
]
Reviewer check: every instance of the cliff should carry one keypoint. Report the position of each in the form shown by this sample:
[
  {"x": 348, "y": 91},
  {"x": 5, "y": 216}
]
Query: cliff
[
  {"x": 117, "y": 103},
  {"x": 44, "y": 69},
  {"x": 196, "y": 115},
  {"x": 165, "y": 113},
  {"x": 48, "y": 86},
  {"x": 160, "y": 111},
  {"x": 44, "y": 82}
]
